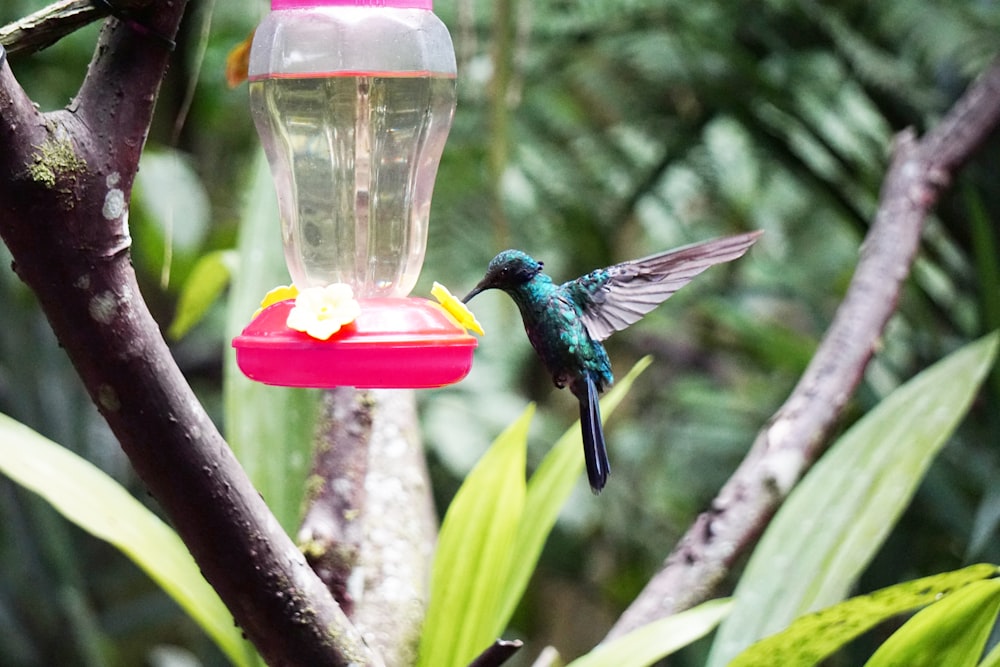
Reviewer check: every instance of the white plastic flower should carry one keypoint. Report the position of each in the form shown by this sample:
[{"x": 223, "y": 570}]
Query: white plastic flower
[{"x": 320, "y": 312}]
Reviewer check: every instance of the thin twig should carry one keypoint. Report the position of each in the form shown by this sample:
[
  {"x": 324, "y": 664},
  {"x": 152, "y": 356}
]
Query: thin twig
[
  {"x": 48, "y": 25},
  {"x": 796, "y": 435}
]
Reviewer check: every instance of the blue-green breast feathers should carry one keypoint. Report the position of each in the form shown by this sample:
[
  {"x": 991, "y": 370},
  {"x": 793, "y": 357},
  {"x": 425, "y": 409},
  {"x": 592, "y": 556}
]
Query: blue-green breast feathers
[{"x": 554, "y": 324}]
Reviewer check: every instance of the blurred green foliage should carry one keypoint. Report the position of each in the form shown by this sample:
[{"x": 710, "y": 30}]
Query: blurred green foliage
[{"x": 623, "y": 127}]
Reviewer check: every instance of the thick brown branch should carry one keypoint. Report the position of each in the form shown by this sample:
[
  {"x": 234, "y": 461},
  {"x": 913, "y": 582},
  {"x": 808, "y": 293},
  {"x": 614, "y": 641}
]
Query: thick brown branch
[
  {"x": 796, "y": 435},
  {"x": 23, "y": 127},
  {"x": 370, "y": 525},
  {"x": 65, "y": 181},
  {"x": 332, "y": 530}
]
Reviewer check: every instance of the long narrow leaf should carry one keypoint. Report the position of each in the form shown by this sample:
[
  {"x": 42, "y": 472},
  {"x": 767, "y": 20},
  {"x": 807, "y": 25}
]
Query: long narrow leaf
[
  {"x": 474, "y": 553},
  {"x": 269, "y": 428},
  {"x": 658, "y": 639},
  {"x": 951, "y": 632},
  {"x": 548, "y": 490},
  {"x": 992, "y": 658},
  {"x": 836, "y": 519},
  {"x": 814, "y": 637},
  {"x": 94, "y": 501}
]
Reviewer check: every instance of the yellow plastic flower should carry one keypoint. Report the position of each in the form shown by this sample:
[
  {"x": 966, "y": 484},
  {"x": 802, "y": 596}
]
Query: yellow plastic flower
[
  {"x": 321, "y": 311},
  {"x": 456, "y": 308},
  {"x": 279, "y": 293}
]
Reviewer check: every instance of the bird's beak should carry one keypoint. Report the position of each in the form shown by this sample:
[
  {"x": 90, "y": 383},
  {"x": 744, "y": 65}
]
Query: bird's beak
[{"x": 475, "y": 290}]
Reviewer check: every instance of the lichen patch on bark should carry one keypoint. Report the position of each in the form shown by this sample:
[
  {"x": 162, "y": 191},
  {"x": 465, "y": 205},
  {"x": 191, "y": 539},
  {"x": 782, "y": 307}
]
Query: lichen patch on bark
[{"x": 55, "y": 158}]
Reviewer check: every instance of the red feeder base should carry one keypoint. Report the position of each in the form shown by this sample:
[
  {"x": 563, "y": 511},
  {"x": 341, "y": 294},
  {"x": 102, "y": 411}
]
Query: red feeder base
[{"x": 394, "y": 343}]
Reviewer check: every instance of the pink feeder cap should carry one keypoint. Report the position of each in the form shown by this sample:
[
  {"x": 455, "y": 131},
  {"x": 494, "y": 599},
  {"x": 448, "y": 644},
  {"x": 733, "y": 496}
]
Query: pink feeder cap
[
  {"x": 306, "y": 4},
  {"x": 394, "y": 343}
]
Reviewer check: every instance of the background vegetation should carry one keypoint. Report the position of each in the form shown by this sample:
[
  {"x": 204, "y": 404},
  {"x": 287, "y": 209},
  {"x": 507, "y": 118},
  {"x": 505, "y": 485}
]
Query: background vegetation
[{"x": 587, "y": 133}]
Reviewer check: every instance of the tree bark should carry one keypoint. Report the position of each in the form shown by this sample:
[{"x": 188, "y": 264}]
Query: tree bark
[
  {"x": 65, "y": 183},
  {"x": 370, "y": 526}
]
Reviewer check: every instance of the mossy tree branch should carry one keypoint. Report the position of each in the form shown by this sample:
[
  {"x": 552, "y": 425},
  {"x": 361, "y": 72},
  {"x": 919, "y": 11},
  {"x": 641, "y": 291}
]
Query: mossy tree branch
[{"x": 65, "y": 182}]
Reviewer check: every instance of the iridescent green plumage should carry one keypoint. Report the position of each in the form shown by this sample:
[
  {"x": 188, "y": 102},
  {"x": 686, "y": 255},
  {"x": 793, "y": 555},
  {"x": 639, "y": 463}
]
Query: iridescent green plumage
[{"x": 565, "y": 323}]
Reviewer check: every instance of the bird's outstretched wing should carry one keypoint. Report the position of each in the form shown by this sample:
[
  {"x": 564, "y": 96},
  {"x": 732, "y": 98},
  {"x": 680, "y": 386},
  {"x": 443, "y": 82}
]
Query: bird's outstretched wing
[{"x": 619, "y": 295}]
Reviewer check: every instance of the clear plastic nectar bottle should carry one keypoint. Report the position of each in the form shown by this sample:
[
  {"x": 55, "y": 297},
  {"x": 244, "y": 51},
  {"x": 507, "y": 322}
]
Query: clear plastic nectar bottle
[{"x": 353, "y": 101}]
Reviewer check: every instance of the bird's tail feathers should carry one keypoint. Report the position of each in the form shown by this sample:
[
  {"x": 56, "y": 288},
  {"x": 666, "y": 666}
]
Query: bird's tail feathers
[{"x": 595, "y": 453}]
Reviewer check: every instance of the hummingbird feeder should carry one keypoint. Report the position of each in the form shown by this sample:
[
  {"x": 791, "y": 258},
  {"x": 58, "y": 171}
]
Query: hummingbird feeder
[{"x": 353, "y": 100}]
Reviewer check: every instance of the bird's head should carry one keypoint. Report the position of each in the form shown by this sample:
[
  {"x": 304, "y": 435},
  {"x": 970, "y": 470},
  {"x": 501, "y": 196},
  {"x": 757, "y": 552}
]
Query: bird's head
[{"x": 508, "y": 270}]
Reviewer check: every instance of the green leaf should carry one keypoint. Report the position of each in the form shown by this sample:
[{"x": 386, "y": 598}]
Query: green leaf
[
  {"x": 548, "y": 490},
  {"x": 172, "y": 193},
  {"x": 94, "y": 501},
  {"x": 203, "y": 286},
  {"x": 170, "y": 214},
  {"x": 269, "y": 428},
  {"x": 496, "y": 516},
  {"x": 655, "y": 641},
  {"x": 992, "y": 658},
  {"x": 475, "y": 553},
  {"x": 836, "y": 519},
  {"x": 950, "y": 632},
  {"x": 813, "y": 637}
]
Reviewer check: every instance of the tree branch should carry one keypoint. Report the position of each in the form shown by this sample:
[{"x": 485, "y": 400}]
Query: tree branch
[
  {"x": 332, "y": 532},
  {"x": 50, "y": 24},
  {"x": 65, "y": 181},
  {"x": 796, "y": 435},
  {"x": 369, "y": 526}
]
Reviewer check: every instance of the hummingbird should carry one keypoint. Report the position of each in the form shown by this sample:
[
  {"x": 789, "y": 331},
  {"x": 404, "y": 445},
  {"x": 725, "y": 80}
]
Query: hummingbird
[{"x": 566, "y": 323}]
